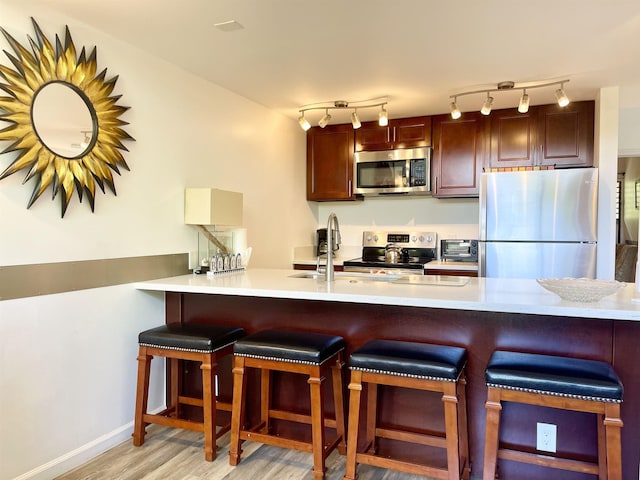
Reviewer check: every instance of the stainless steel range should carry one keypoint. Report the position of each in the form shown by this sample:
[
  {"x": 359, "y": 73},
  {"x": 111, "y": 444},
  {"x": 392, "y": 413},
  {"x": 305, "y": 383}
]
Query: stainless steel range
[{"x": 394, "y": 253}]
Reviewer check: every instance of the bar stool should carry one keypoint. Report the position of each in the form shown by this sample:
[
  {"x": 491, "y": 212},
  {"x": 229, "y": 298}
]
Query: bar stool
[
  {"x": 558, "y": 382},
  {"x": 418, "y": 366},
  {"x": 200, "y": 343},
  {"x": 297, "y": 352}
]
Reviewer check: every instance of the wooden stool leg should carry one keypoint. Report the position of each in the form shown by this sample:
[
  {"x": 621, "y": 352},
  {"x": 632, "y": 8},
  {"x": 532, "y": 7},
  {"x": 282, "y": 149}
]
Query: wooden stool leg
[
  {"x": 175, "y": 380},
  {"x": 462, "y": 427},
  {"x": 317, "y": 422},
  {"x": 142, "y": 396},
  {"x": 355, "y": 389},
  {"x": 450, "y": 400},
  {"x": 208, "y": 368},
  {"x": 338, "y": 402},
  {"x": 265, "y": 398},
  {"x": 602, "y": 448},
  {"x": 237, "y": 409},
  {"x": 613, "y": 424},
  {"x": 493, "y": 407},
  {"x": 372, "y": 416}
]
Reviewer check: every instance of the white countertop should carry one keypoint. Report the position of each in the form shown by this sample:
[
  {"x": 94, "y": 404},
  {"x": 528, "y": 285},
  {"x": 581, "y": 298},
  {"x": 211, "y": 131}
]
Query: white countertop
[{"x": 478, "y": 294}]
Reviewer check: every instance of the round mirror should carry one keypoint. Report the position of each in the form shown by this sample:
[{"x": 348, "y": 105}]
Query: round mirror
[
  {"x": 64, "y": 120},
  {"x": 58, "y": 107}
]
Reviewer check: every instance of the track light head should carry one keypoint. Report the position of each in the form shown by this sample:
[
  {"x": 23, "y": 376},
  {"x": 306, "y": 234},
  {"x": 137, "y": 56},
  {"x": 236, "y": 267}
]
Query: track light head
[
  {"x": 455, "y": 112},
  {"x": 304, "y": 123},
  {"x": 561, "y": 97},
  {"x": 486, "y": 106},
  {"x": 383, "y": 117},
  {"x": 324, "y": 121},
  {"x": 523, "y": 107},
  {"x": 355, "y": 121}
]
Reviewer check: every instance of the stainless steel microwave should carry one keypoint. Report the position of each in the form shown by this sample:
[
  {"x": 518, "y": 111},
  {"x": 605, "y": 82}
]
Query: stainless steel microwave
[{"x": 402, "y": 171}]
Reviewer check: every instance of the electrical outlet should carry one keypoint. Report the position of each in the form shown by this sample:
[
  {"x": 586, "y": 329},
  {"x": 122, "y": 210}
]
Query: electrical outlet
[{"x": 546, "y": 439}]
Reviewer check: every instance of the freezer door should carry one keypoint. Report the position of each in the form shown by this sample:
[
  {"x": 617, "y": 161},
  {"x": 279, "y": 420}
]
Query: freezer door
[
  {"x": 545, "y": 205},
  {"x": 537, "y": 260}
]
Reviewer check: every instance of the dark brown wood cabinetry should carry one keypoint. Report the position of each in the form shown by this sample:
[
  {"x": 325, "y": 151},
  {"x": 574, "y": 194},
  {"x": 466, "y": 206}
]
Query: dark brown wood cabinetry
[
  {"x": 330, "y": 163},
  {"x": 547, "y": 135},
  {"x": 460, "y": 147},
  {"x": 400, "y": 133}
]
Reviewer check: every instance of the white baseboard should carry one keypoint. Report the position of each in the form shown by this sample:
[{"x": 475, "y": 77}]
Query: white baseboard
[{"x": 80, "y": 455}]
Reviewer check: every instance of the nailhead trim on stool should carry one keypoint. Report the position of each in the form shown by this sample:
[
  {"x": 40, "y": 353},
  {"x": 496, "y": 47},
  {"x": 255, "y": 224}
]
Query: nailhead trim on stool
[
  {"x": 296, "y": 352},
  {"x": 418, "y": 366},
  {"x": 558, "y": 382},
  {"x": 177, "y": 342}
]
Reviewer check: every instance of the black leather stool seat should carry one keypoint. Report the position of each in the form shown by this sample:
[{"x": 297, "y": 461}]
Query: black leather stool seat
[
  {"x": 562, "y": 376},
  {"x": 410, "y": 359},
  {"x": 191, "y": 337},
  {"x": 289, "y": 346}
]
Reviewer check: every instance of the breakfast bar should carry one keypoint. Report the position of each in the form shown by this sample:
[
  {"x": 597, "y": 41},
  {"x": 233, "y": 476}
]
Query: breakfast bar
[{"x": 479, "y": 314}]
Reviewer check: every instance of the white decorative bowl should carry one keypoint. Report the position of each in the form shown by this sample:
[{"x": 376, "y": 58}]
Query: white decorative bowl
[{"x": 581, "y": 289}]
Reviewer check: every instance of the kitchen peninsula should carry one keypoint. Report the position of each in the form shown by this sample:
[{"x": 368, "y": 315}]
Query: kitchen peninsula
[{"x": 480, "y": 314}]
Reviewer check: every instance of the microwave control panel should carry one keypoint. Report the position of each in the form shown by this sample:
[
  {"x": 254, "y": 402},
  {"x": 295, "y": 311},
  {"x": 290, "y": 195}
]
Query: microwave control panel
[{"x": 418, "y": 170}]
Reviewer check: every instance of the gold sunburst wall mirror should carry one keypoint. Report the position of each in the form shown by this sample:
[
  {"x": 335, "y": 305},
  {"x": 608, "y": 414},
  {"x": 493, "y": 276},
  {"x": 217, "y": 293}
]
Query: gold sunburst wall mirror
[{"x": 63, "y": 122}]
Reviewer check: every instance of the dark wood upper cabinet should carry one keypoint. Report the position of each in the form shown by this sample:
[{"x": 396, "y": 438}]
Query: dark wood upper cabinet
[
  {"x": 400, "y": 133},
  {"x": 566, "y": 134},
  {"x": 459, "y": 150},
  {"x": 548, "y": 135},
  {"x": 330, "y": 163}
]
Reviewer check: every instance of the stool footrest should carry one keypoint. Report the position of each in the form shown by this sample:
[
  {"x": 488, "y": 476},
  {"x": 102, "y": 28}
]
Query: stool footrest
[
  {"x": 549, "y": 461},
  {"x": 298, "y": 418},
  {"x": 421, "y": 438},
  {"x": 401, "y": 466},
  {"x": 276, "y": 441}
]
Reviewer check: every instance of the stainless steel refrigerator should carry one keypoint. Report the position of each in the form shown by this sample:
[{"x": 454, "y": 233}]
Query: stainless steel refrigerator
[{"x": 538, "y": 224}]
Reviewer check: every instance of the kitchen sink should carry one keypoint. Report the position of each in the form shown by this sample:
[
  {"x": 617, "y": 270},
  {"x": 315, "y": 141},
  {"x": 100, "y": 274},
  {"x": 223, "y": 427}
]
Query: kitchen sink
[
  {"x": 348, "y": 276},
  {"x": 353, "y": 277}
]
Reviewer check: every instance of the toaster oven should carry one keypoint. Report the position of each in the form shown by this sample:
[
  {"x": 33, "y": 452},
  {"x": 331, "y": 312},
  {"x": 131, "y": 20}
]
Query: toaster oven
[{"x": 460, "y": 250}]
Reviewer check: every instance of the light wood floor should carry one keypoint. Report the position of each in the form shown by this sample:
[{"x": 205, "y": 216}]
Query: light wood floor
[{"x": 174, "y": 454}]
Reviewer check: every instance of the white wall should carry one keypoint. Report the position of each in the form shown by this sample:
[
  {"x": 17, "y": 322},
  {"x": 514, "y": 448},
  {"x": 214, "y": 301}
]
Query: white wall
[{"x": 67, "y": 362}]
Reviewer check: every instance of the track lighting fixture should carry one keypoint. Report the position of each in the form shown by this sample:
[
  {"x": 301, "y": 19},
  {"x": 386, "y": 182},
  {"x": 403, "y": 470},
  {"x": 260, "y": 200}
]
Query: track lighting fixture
[
  {"x": 486, "y": 106},
  {"x": 523, "y": 106},
  {"x": 383, "y": 118},
  {"x": 355, "y": 121},
  {"x": 324, "y": 121},
  {"x": 561, "y": 97},
  {"x": 455, "y": 112},
  {"x": 304, "y": 123}
]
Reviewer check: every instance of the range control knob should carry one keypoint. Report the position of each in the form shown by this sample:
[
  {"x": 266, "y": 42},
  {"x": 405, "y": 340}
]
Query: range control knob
[
  {"x": 413, "y": 238},
  {"x": 376, "y": 238},
  {"x": 421, "y": 238},
  {"x": 429, "y": 238}
]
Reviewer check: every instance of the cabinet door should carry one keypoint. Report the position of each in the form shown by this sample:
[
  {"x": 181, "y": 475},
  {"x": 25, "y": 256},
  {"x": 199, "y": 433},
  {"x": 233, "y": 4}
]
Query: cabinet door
[
  {"x": 372, "y": 137},
  {"x": 458, "y": 154},
  {"x": 330, "y": 163},
  {"x": 566, "y": 134},
  {"x": 412, "y": 132},
  {"x": 513, "y": 138},
  {"x": 400, "y": 133}
]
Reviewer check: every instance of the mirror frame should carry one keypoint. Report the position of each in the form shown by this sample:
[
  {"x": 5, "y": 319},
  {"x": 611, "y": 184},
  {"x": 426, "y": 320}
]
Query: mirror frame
[{"x": 33, "y": 71}]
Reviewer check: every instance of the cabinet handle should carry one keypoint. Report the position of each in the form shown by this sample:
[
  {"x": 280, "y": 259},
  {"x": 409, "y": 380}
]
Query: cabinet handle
[{"x": 349, "y": 188}]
